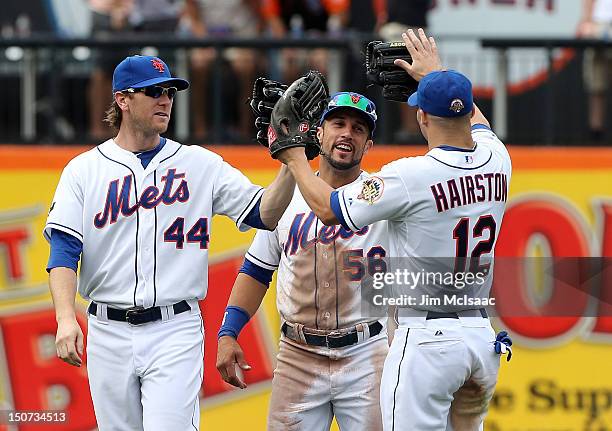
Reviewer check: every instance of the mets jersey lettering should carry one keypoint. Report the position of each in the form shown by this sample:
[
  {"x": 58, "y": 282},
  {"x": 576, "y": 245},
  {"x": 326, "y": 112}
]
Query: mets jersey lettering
[
  {"x": 300, "y": 227},
  {"x": 319, "y": 267},
  {"x": 132, "y": 220},
  {"x": 119, "y": 202}
]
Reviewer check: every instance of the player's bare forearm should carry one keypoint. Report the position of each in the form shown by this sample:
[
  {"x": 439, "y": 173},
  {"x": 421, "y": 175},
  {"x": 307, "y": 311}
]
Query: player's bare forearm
[
  {"x": 247, "y": 293},
  {"x": 276, "y": 198},
  {"x": 316, "y": 192},
  {"x": 69, "y": 336},
  {"x": 479, "y": 118},
  {"x": 62, "y": 283}
]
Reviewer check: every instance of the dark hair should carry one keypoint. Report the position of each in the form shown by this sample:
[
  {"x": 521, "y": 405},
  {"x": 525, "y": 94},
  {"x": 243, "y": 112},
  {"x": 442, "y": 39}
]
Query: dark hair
[{"x": 113, "y": 116}]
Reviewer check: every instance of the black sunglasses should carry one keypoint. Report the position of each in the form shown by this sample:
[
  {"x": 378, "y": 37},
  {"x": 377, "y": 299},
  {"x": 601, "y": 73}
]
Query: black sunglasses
[{"x": 155, "y": 91}]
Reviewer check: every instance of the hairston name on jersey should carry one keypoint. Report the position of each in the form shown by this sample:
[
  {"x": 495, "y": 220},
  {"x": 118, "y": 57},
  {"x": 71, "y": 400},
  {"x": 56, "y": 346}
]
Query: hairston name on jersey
[
  {"x": 119, "y": 202},
  {"x": 470, "y": 189}
]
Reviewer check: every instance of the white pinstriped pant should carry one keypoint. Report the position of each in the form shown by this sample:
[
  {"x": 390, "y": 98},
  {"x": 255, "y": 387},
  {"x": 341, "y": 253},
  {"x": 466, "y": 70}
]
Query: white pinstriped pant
[{"x": 146, "y": 377}]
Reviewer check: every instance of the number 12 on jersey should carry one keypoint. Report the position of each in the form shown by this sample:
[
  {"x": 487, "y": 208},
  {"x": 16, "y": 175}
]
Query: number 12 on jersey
[
  {"x": 197, "y": 234},
  {"x": 461, "y": 235}
]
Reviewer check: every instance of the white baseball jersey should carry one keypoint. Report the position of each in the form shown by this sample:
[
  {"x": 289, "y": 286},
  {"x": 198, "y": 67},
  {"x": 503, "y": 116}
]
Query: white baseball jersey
[
  {"x": 318, "y": 286},
  {"x": 319, "y": 267},
  {"x": 145, "y": 232},
  {"x": 447, "y": 203}
]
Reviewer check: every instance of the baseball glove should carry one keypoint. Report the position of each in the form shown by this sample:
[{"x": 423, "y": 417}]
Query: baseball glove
[
  {"x": 295, "y": 116},
  {"x": 266, "y": 93},
  {"x": 397, "y": 85}
]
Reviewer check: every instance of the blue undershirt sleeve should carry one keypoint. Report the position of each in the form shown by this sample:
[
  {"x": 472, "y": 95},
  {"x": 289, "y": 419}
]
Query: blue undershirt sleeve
[
  {"x": 253, "y": 218},
  {"x": 65, "y": 250},
  {"x": 480, "y": 126},
  {"x": 263, "y": 275},
  {"x": 334, "y": 203}
]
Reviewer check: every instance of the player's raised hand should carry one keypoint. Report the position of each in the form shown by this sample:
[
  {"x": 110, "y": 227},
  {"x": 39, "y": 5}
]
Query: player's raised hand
[
  {"x": 229, "y": 354},
  {"x": 69, "y": 341},
  {"x": 424, "y": 53}
]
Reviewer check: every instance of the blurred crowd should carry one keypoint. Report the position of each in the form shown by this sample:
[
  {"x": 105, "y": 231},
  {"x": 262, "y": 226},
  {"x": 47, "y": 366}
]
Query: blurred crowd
[
  {"x": 236, "y": 69},
  {"x": 248, "y": 19}
]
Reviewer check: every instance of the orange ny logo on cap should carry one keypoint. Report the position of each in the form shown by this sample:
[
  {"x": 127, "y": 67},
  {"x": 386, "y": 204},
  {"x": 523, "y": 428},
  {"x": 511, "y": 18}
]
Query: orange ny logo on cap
[
  {"x": 158, "y": 64},
  {"x": 355, "y": 98}
]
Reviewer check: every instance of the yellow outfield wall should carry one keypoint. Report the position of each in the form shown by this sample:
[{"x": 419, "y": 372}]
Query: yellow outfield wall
[{"x": 560, "y": 377}]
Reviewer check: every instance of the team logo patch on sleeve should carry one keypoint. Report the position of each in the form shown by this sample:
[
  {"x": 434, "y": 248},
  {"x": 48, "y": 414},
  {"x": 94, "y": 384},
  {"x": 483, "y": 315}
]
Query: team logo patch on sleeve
[{"x": 372, "y": 190}]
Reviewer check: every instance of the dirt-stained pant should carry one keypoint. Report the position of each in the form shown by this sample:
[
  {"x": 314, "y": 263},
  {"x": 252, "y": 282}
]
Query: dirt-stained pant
[
  {"x": 439, "y": 375},
  {"x": 309, "y": 389}
]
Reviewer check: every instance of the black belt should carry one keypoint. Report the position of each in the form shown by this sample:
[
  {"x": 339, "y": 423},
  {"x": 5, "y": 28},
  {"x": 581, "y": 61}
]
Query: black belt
[
  {"x": 435, "y": 315},
  {"x": 334, "y": 341},
  {"x": 137, "y": 315}
]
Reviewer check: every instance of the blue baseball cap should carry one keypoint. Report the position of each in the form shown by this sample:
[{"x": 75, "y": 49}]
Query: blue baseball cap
[
  {"x": 445, "y": 93},
  {"x": 356, "y": 101},
  {"x": 139, "y": 71}
]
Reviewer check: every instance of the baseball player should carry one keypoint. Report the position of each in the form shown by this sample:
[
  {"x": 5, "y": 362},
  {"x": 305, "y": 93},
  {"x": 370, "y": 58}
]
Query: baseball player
[
  {"x": 136, "y": 211},
  {"x": 442, "y": 366},
  {"x": 330, "y": 357}
]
